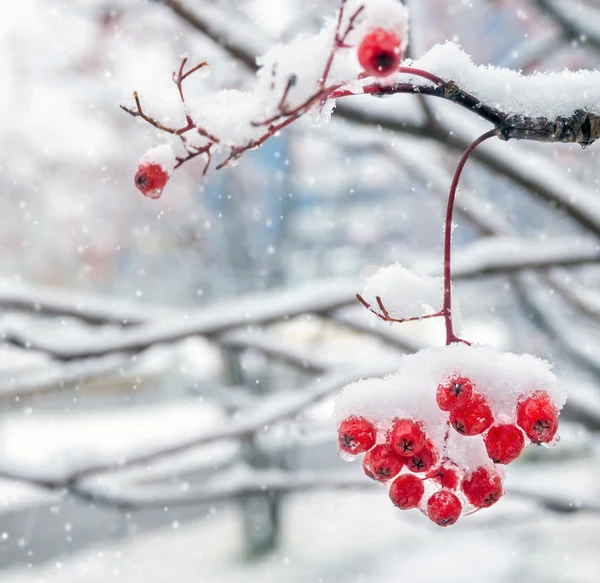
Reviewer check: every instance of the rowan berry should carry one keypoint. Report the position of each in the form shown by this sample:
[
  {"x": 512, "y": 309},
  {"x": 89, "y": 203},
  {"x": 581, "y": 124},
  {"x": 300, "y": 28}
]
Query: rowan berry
[
  {"x": 356, "y": 435},
  {"x": 424, "y": 459},
  {"x": 380, "y": 52},
  {"x": 473, "y": 419},
  {"x": 407, "y": 491},
  {"x": 483, "y": 487},
  {"x": 150, "y": 179},
  {"x": 444, "y": 508},
  {"x": 537, "y": 417},
  {"x": 454, "y": 393},
  {"x": 504, "y": 443},
  {"x": 383, "y": 462},
  {"x": 407, "y": 437},
  {"x": 445, "y": 476}
]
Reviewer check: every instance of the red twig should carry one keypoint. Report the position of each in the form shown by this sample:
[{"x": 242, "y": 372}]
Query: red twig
[
  {"x": 384, "y": 315},
  {"x": 139, "y": 112},
  {"x": 447, "y": 307}
]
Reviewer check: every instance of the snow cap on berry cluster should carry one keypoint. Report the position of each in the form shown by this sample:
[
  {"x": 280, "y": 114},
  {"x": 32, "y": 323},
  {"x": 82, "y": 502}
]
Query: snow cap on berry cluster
[
  {"x": 390, "y": 15},
  {"x": 405, "y": 294},
  {"x": 502, "y": 378},
  {"x": 163, "y": 156}
]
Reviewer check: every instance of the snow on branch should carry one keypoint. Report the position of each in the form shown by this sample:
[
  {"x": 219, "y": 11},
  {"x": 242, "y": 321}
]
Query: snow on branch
[
  {"x": 486, "y": 257},
  {"x": 264, "y": 414},
  {"x": 309, "y": 74}
]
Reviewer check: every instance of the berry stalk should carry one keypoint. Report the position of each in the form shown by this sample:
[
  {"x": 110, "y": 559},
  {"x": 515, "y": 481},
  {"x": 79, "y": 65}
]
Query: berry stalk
[{"x": 447, "y": 306}]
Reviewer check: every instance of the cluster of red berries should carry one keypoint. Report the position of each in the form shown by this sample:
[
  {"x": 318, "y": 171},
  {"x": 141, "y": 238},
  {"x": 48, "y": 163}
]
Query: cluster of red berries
[
  {"x": 150, "y": 179},
  {"x": 380, "y": 52},
  {"x": 410, "y": 457}
]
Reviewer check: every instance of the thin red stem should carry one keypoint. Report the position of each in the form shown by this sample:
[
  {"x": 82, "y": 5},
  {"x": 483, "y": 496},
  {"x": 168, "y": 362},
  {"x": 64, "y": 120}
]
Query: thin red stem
[
  {"x": 421, "y": 73},
  {"x": 447, "y": 307}
]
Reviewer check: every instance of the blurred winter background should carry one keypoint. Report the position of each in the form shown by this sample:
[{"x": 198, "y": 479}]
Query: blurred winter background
[{"x": 160, "y": 414}]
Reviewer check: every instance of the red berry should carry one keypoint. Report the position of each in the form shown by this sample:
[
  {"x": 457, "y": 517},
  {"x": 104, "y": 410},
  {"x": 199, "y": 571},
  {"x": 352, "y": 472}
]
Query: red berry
[
  {"x": 473, "y": 419},
  {"x": 380, "y": 52},
  {"x": 444, "y": 508},
  {"x": 504, "y": 443},
  {"x": 406, "y": 491},
  {"x": 423, "y": 460},
  {"x": 537, "y": 417},
  {"x": 454, "y": 393},
  {"x": 406, "y": 437},
  {"x": 446, "y": 477},
  {"x": 483, "y": 487},
  {"x": 356, "y": 435},
  {"x": 383, "y": 462},
  {"x": 150, "y": 179}
]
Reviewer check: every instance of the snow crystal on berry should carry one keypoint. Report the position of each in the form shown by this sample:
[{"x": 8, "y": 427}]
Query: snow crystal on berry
[{"x": 163, "y": 156}]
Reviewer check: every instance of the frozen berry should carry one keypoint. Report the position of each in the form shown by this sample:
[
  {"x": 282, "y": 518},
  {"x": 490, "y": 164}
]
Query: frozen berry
[
  {"x": 380, "y": 52},
  {"x": 150, "y": 180},
  {"x": 356, "y": 435},
  {"x": 537, "y": 417},
  {"x": 473, "y": 419},
  {"x": 483, "y": 487},
  {"x": 504, "y": 443},
  {"x": 406, "y": 437},
  {"x": 444, "y": 508},
  {"x": 424, "y": 459},
  {"x": 406, "y": 491},
  {"x": 454, "y": 393},
  {"x": 445, "y": 476},
  {"x": 383, "y": 463}
]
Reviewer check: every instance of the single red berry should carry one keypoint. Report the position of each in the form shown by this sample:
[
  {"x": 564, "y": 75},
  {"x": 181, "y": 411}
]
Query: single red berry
[
  {"x": 424, "y": 459},
  {"x": 445, "y": 476},
  {"x": 504, "y": 443},
  {"x": 454, "y": 393},
  {"x": 383, "y": 462},
  {"x": 407, "y": 491},
  {"x": 380, "y": 52},
  {"x": 150, "y": 179},
  {"x": 473, "y": 419},
  {"x": 537, "y": 417},
  {"x": 483, "y": 487},
  {"x": 444, "y": 508},
  {"x": 406, "y": 437},
  {"x": 356, "y": 435}
]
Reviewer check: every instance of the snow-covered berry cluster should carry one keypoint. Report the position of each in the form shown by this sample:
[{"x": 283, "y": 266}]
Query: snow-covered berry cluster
[{"x": 441, "y": 429}]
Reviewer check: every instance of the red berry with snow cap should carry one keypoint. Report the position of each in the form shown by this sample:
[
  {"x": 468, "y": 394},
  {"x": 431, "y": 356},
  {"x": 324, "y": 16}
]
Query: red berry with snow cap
[
  {"x": 444, "y": 508},
  {"x": 473, "y": 419},
  {"x": 504, "y": 443},
  {"x": 383, "y": 463},
  {"x": 454, "y": 393},
  {"x": 356, "y": 435},
  {"x": 407, "y": 437},
  {"x": 406, "y": 491},
  {"x": 150, "y": 179},
  {"x": 483, "y": 487},
  {"x": 537, "y": 417},
  {"x": 380, "y": 52}
]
